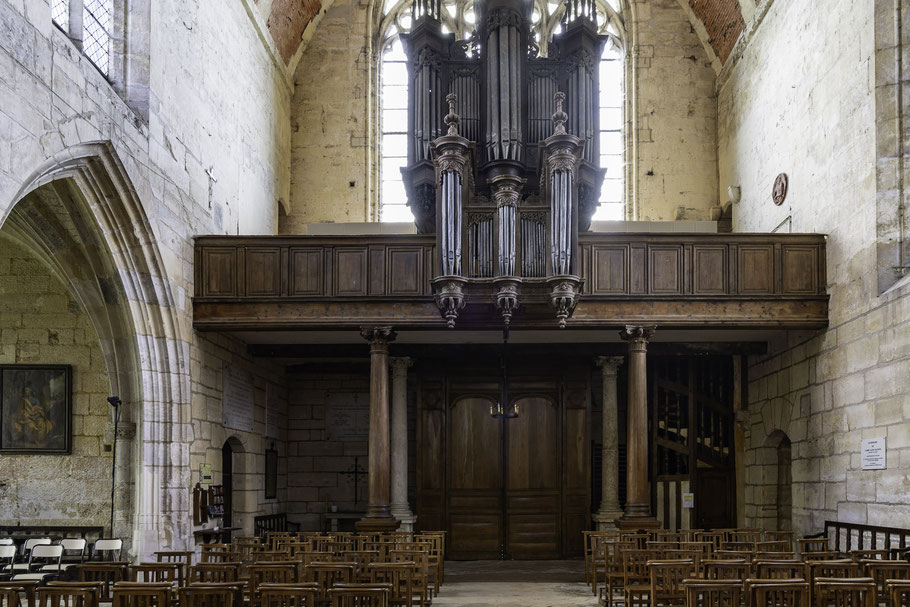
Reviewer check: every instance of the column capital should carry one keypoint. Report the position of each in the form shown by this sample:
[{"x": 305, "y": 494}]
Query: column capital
[
  {"x": 401, "y": 363},
  {"x": 610, "y": 364},
  {"x": 637, "y": 335},
  {"x": 378, "y": 336}
]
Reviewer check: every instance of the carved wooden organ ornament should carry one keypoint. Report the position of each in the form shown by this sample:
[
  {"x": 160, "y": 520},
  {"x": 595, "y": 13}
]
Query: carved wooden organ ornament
[{"x": 510, "y": 183}]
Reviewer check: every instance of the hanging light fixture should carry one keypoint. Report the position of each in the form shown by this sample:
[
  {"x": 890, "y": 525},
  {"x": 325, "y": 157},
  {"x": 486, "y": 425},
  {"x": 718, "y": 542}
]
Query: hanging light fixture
[{"x": 502, "y": 409}]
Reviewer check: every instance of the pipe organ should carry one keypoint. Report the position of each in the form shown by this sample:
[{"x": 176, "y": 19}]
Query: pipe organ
[{"x": 514, "y": 177}]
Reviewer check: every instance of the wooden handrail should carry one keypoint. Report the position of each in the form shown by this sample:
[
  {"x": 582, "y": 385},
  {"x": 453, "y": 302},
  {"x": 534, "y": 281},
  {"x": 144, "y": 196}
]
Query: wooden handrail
[{"x": 854, "y": 536}]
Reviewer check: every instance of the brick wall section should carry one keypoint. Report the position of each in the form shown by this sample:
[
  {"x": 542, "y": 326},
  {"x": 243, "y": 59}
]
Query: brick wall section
[
  {"x": 724, "y": 21},
  {"x": 288, "y": 20}
]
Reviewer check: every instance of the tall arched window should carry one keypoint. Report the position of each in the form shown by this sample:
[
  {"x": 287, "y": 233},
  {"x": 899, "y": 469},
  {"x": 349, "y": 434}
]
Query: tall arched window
[
  {"x": 89, "y": 21},
  {"x": 458, "y": 17}
]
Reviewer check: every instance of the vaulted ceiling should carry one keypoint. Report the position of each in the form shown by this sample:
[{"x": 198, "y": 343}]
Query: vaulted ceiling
[{"x": 719, "y": 22}]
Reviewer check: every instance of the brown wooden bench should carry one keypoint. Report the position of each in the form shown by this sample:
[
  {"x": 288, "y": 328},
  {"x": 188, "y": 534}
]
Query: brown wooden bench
[{"x": 273, "y": 522}]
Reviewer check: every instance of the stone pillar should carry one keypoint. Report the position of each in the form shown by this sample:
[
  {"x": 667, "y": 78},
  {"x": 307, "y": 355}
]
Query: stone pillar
[
  {"x": 378, "y": 516},
  {"x": 400, "y": 508},
  {"x": 609, "y": 509},
  {"x": 638, "y": 493}
]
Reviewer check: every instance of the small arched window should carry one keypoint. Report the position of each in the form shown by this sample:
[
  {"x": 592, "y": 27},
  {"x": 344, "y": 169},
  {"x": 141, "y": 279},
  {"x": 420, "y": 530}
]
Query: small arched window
[{"x": 458, "y": 17}]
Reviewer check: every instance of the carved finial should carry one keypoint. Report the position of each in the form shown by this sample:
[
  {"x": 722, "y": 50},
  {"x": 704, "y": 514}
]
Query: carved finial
[
  {"x": 452, "y": 118},
  {"x": 559, "y": 116}
]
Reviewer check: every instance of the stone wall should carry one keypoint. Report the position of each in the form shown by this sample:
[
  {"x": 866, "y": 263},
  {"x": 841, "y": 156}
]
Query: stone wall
[
  {"x": 334, "y": 149},
  {"x": 210, "y": 361},
  {"x": 320, "y": 451},
  {"x": 677, "y": 166},
  {"x": 814, "y": 120},
  {"x": 43, "y": 324},
  {"x": 218, "y": 101}
]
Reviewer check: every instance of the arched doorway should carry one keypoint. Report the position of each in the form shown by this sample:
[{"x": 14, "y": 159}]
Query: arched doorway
[
  {"x": 80, "y": 215},
  {"x": 231, "y": 468}
]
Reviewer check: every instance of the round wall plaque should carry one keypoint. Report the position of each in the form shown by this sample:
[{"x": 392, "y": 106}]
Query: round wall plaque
[{"x": 779, "y": 193}]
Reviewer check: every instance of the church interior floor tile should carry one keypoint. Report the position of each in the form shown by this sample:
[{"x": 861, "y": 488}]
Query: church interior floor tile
[{"x": 515, "y": 584}]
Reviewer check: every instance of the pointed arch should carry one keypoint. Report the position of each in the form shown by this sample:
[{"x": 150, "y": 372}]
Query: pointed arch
[{"x": 81, "y": 214}]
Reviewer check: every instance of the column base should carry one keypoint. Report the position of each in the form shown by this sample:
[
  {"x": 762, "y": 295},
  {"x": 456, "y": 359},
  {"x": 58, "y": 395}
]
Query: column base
[
  {"x": 606, "y": 519},
  {"x": 634, "y": 523},
  {"x": 374, "y": 525},
  {"x": 407, "y": 521}
]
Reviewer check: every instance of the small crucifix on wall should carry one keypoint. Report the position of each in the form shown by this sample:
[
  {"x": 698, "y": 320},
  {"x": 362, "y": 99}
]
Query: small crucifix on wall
[{"x": 354, "y": 473}]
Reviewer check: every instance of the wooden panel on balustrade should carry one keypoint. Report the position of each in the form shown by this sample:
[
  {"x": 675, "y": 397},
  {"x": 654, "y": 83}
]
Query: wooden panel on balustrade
[
  {"x": 263, "y": 271},
  {"x": 219, "y": 277},
  {"x": 756, "y": 269},
  {"x": 609, "y": 269},
  {"x": 306, "y": 270},
  {"x": 475, "y": 480},
  {"x": 799, "y": 268},
  {"x": 533, "y": 504},
  {"x": 709, "y": 269},
  {"x": 350, "y": 271},
  {"x": 404, "y": 271},
  {"x": 665, "y": 269}
]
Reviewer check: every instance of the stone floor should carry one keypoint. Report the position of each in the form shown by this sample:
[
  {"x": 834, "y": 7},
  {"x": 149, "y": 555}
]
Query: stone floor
[{"x": 515, "y": 584}]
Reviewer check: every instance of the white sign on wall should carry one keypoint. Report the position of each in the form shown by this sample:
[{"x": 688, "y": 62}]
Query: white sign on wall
[
  {"x": 688, "y": 500},
  {"x": 873, "y": 453},
  {"x": 237, "y": 399}
]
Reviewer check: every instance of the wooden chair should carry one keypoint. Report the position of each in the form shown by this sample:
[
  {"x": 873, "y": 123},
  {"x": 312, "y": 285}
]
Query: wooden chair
[
  {"x": 780, "y": 536},
  {"x": 845, "y": 592},
  {"x": 142, "y": 595},
  {"x": 715, "y": 538},
  {"x": 750, "y": 536},
  {"x": 67, "y": 596},
  {"x": 265, "y": 556},
  {"x": 776, "y": 593},
  {"x": 827, "y": 555},
  {"x": 24, "y": 588},
  {"x": 270, "y": 573},
  {"x": 207, "y": 596},
  {"x": 738, "y": 546},
  {"x": 214, "y": 572},
  {"x": 713, "y": 593},
  {"x": 359, "y": 595},
  {"x": 881, "y": 571},
  {"x": 288, "y": 595},
  {"x": 107, "y": 573},
  {"x": 9, "y": 597},
  {"x": 870, "y": 555},
  {"x": 666, "y": 579},
  {"x": 898, "y": 592},
  {"x": 436, "y": 540},
  {"x": 818, "y": 544},
  {"x": 175, "y": 556},
  {"x": 361, "y": 559},
  {"x": 170, "y": 573},
  {"x": 326, "y": 575},
  {"x": 735, "y": 569},
  {"x": 236, "y": 588},
  {"x": 614, "y": 577},
  {"x": 735, "y": 555},
  {"x": 775, "y": 556},
  {"x": 636, "y": 577},
  {"x": 773, "y": 546},
  {"x": 841, "y": 568},
  {"x": 420, "y": 558},
  {"x": 781, "y": 570},
  {"x": 400, "y": 577}
]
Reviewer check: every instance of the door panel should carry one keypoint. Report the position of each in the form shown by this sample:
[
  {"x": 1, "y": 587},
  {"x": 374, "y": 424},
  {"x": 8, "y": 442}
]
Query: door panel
[
  {"x": 475, "y": 480},
  {"x": 532, "y": 480}
]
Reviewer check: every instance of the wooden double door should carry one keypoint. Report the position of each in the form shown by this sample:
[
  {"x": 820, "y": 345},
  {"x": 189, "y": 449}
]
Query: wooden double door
[{"x": 510, "y": 488}]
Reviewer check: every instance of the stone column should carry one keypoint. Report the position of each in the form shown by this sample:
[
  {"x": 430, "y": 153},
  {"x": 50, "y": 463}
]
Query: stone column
[
  {"x": 638, "y": 494},
  {"x": 609, "y": 509},
  {"x": 378, "y": 516},
  {"x": 400, "y": 508}
]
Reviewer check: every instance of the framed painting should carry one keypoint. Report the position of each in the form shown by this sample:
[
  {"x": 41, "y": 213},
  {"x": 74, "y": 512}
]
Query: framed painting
[
  {"x": 271, "y": 474},
  {"x": 36, "y": 409}
]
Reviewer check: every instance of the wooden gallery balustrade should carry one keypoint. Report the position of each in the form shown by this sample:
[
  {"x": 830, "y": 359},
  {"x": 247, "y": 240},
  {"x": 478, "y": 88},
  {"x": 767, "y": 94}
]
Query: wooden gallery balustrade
[{"x": 669, "y": 280}]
